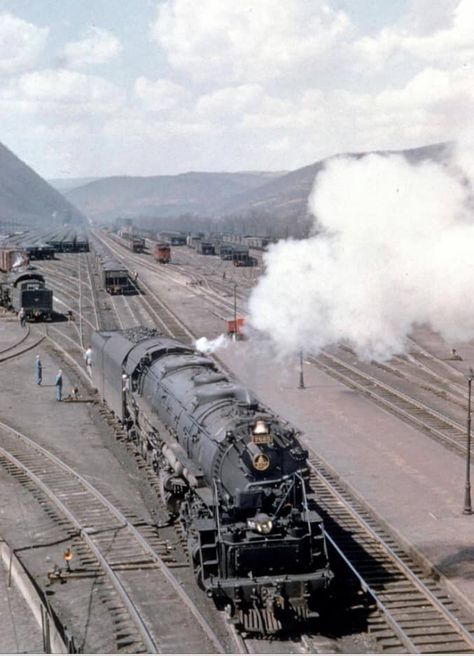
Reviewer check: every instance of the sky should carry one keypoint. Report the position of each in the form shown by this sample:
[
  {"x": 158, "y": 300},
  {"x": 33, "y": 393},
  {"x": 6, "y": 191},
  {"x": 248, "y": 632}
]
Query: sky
[{"x": 149, "y": 87}]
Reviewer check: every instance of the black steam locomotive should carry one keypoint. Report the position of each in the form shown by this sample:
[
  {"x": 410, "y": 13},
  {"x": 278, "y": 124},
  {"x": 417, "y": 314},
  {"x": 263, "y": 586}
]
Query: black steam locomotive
[{"x": 233, "y": 472}]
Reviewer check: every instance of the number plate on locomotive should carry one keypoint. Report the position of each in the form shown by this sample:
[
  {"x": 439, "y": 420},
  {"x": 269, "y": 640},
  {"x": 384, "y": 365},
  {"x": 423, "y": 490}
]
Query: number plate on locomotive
[{"x": 262, "y": 439}]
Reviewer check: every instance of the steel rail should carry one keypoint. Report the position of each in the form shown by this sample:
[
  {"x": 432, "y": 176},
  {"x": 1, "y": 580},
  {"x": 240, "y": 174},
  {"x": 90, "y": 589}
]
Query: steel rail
[
  {"x": 125, "y": 522},
  {"x": 148, "y": 641},
  {"x": 421, "y": 587},
  {"x": 81, "y": 328},
  {"x": 23, "y": 350},
  {"x": 451, "y": 424},
  {"x": 20, "y": 341},
  {"x": 95, "y": 302}
]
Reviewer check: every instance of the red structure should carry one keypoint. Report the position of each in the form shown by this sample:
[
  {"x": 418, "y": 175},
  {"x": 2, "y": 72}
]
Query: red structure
[{"x": 162, "y": 253}]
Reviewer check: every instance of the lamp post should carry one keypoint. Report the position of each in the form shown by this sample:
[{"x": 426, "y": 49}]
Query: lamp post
[
  {"x": 467, "y": 489},
  {"x": 301, "y": 385},
  {"x": 235, "y": 311}
]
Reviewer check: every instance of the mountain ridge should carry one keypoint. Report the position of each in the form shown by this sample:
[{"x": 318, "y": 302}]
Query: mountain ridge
[{"x": 281, "y": 195}]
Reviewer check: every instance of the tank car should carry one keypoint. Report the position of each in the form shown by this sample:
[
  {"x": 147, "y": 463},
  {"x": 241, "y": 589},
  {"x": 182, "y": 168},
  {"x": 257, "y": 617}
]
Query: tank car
[{"x": 232, "y": 471}]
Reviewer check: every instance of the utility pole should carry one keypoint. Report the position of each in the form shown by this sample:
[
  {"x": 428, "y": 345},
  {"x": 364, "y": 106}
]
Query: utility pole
[{"x": 301, "y": 385}]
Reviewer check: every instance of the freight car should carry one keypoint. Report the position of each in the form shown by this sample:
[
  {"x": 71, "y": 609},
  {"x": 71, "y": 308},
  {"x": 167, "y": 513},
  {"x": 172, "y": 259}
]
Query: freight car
[
  {"x": 232, "y": 471},
  {"x": 206, "y": 248},
  {"x": 130, "y": 241},
  {"x": 162, "y": 253},
  {"x": 115, "y": 277},
  {"x": 27, "y": 290}
]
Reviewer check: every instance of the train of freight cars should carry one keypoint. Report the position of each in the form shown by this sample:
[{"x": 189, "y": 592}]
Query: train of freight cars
[{"x": 230, "y": 470}]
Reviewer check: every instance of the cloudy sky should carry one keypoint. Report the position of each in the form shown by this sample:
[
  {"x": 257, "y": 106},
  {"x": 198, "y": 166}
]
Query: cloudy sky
[{"x": 143, "y": 87}]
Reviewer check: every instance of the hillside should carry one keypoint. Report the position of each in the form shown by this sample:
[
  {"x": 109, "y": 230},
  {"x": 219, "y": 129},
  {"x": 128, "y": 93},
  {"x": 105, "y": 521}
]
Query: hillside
[
  {"x": 269, "y": 201},
  {"x": 164, "y": 195},
  {"x": 286, "y": 198},
  {"x": 27, "y": 198}
]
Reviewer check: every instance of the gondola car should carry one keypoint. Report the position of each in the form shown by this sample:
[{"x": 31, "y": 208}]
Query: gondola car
[
  {"x": 231, "y": 470},
  {"x": 115, "y": 277}
]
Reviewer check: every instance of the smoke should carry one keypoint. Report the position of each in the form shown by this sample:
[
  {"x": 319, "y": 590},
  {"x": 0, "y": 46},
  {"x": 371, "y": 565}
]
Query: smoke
[
  {"x": 207, "y": 346},
  {"x": 394, "y": 249},
  {"x": 18, "y": 261}
]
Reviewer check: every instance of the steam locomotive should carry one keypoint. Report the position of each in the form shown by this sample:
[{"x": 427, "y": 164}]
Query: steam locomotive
[{"x": 232, "y": 472}]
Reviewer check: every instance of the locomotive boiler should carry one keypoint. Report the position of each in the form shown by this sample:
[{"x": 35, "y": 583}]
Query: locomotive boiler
[{"x": 231, "y": 470}]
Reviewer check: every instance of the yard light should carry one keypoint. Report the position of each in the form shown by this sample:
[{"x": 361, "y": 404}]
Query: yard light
[{"x": 467, "y": 488}]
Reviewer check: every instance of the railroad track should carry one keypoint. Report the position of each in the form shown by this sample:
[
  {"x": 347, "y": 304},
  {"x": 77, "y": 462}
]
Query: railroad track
[
  {"x": 444, "y": 429},
  {"x": 28, "y": 341},
  {"x": 119, "y": 550},
  {"x": 417, "y": 614},
  {"x": 166, "y": 320},
  {"x": 215, "y": 297}
]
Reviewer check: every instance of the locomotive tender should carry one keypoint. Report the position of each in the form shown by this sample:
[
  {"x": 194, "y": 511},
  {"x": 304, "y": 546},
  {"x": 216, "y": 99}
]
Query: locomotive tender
[
  {"x": 231, "y": 470},
  {"x": 27, "y": 289}
]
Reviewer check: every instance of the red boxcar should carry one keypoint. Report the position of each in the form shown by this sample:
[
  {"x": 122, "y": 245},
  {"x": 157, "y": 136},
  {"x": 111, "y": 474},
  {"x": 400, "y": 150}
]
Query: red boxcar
[{"x": 162, "y": 253}]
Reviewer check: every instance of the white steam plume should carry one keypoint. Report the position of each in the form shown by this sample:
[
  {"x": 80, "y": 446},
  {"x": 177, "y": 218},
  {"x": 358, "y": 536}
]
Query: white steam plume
[
  {"x": 205, "y": 345},
  {"x": 396, "y": 249}
]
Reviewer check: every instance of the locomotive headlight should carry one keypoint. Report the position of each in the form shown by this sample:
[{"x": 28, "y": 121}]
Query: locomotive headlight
[
  {"x": 261, "y": 523},
  {"x": 260, "y": 428}
]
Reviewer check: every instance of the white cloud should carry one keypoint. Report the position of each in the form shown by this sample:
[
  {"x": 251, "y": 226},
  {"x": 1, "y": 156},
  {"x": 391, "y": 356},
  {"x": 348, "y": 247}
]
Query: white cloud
[
  {"x": 21, "y": 44},
  {"x": 159, "y": 95},
  {"x": 249, "y": 41},
  {"x": 62, "y": 95},
  {"x": 450, "y": 43},
  {"x": 98, "y": 46}
]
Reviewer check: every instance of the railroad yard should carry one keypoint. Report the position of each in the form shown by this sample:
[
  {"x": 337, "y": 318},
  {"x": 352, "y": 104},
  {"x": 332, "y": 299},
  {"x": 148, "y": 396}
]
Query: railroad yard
[{"x": 90, "y": 555}]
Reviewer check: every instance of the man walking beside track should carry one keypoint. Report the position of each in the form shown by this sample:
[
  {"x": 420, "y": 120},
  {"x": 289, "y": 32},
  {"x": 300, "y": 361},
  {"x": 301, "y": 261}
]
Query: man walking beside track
[
  {"x": 88, "y": 359},
  {"x": 22, "y": 317},
  {"x": 59, "y": 385},
  {"x": 39, "y": 370}
]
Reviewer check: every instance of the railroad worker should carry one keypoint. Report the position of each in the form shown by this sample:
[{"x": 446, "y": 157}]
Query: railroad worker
[
  {"x": 135, "y": 276},
  {"x": 125, "y": 383},
  {"x": 88, "y": 359},
  {"x": 39, "y": 370},
  {"x": 22, "y": 317},
  {"x": 59, "y": 385}
]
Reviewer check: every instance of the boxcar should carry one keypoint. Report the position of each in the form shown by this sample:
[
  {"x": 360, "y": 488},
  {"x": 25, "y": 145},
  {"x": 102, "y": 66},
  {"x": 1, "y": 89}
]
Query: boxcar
[{"x": 162, "y": 253}]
